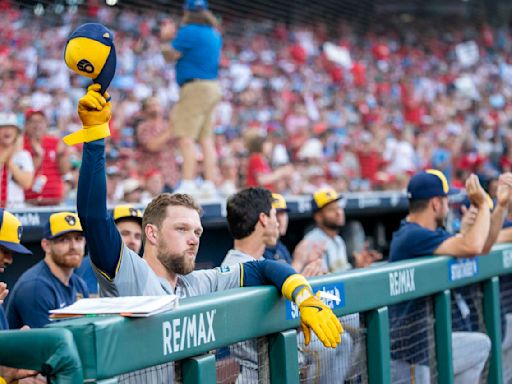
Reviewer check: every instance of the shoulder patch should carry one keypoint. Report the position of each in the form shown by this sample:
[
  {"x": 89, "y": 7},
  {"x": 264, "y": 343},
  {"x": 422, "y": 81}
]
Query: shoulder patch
[{"x": 225, "y": 269}]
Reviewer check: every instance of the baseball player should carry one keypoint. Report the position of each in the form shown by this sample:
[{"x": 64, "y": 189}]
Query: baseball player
[
  {"x": 171, "y": 232},
  {"x": 51, "y": 283}
]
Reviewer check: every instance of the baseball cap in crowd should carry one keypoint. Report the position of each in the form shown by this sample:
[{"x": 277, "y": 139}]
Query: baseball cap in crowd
[
  {"x": 9, "y": 119},
  {"x": 279, "y": 203},
  {"x": 427, "y": 184},
  {"x": 127, "y": 211},
  {"x": 195, "y": 5},
  {"x": 323, "y": 197},
  {"x": 10, "y": 233},
  {"x": 90, "y": 52},
  {"x": 32, "y": 111},
  {"x": 62, "y": 223}
]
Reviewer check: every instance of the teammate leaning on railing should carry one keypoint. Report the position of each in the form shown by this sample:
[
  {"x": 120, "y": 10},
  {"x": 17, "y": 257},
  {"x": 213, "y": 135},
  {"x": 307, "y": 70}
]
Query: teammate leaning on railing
[{"x": 172, "y": 230}]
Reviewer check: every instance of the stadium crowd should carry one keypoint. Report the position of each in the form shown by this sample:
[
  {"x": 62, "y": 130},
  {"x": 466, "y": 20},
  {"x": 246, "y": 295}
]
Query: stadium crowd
[{"x": 404, "y": 102}]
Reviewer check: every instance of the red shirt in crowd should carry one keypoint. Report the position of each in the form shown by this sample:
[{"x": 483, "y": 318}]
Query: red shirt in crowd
[
  {"x": 257, "y": 165},
  {"x": 48, "y": 187}
]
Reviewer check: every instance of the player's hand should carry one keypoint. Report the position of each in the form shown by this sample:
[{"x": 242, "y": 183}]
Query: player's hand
[
  {"x": 468, "y": 218},
  {"x": 504, "y": 192},
  {"x": 93, "y": 108},
  {"x": 316, "y": 316},
  {"x": 475, "y": 192},
  {"x": 95, "y": 112},
  {"x": 315, "y": 268},
  {"x": 3, "y": 292}
]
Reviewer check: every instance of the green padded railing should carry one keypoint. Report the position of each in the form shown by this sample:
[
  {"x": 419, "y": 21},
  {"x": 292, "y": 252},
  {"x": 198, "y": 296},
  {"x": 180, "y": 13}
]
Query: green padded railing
[
  {"x": 51, "y": 351},
  {"x": 110, "y": 346}
]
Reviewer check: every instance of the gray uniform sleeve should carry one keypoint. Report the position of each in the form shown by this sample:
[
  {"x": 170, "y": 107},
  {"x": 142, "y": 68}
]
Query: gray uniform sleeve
[
  {"x": 134, "y": 277},
  {"x": 212, "y": 280}
]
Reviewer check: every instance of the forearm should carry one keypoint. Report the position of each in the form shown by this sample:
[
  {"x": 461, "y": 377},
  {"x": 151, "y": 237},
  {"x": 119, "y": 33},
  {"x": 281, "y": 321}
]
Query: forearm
[
  {"x": 23, "y": 178},
  {"x": 497, "y": 219},
  {"x": 103, "y": 239},
  {"x": 476, "y": 237},
  {"x": 63, "y": 159}
]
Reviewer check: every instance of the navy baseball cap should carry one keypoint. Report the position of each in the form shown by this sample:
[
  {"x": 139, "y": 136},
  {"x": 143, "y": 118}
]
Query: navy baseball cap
[
  {"x": 427, "y": 184},
  {"x": 195, "y": 5},
  {"x": 90, "y": 52},
  {"x": 10, "y": 233}
]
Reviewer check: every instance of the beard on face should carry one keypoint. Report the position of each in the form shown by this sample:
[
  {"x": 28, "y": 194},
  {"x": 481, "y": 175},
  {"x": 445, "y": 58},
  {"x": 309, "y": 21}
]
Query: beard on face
[
  {"x": 331, "y": 224},
  {"x": 441, "y": 221},
  {"x": 179, "y": 263},
  {"x": 64, "y": 262}
]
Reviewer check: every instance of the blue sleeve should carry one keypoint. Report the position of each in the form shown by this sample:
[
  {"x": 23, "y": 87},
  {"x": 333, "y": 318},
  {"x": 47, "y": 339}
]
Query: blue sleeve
[
  {"x": 3, "y": 320},
  {"x": 183, "y": 40},
  {"x": 103, "y": 239},
  {"x": 423, "y": 242},
  {"x": 30, "y": 305},
  {"x": 265, "y": 272}
]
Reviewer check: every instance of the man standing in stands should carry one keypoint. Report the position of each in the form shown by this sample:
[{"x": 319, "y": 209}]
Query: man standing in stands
[
  {"x": 422, "y": 234},
  {"x": 51, "y": 161},
  {"x": 196, "y": 48},
  {"x": 51, "y": 283},
  {"x": 329, "y": 218}
]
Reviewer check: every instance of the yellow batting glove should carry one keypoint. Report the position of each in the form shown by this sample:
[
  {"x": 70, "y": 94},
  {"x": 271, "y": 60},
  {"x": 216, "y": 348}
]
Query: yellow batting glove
[
  {"x": 314, "y": 314},
  {"x": 95, "y": 112}
]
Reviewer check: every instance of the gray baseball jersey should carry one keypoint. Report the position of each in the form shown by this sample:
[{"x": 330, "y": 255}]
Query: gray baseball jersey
[
  {"x": 335, "y": 256},
  {"x": 135, "y": 277}
]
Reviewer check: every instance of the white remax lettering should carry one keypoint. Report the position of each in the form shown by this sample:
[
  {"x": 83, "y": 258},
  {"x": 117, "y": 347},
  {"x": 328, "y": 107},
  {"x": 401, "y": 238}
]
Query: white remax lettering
[
  {"x": 401, "y": 282},
  {"x": 188, "y": 331}
]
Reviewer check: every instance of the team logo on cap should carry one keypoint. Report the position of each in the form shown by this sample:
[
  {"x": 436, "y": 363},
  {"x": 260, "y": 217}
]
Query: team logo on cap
[
  {"x": 133, "y": 212},
  {"x": 85, "y": 66},
  {"x": 71, "y": 220}
]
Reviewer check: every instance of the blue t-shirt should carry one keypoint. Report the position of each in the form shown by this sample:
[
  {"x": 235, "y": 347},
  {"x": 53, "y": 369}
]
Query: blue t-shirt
[
  {"x": 409, "y": 320},
  {"x": 278, "y": 253},
  {"x": 36, "y": 292},
  {"x": 200, "y": 47},
  {"x": 86, "y": 272}
]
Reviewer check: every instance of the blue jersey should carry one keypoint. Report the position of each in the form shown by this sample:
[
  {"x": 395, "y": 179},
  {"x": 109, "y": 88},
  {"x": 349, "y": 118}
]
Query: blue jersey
[
  {"x": 86, "y": 272},
  {"x": 36, "y": 292},
  {"x": 200, "y": 47},
  {"x": 278, "y": 253},
  {"x": 408, "y": 320}
]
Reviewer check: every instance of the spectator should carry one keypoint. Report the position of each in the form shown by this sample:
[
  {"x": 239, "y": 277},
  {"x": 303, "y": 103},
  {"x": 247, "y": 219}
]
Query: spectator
[
  {"x": 51, "y": 283},
  {"x": 421, "y": 234},
  {"x": 155, "y": 143},
  {"x": 154, "y": 185},
  {"x": 132, "y": 191},
  {"x": 196, "y": 48},
  {"x": 51, "y": 161},
  {"x": 17, "y": 169},
  {"x": 259, "y": 172}
]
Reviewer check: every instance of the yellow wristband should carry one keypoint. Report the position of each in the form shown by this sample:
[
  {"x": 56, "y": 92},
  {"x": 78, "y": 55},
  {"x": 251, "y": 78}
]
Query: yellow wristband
[
  {"x": 296, "y": 288},
  {"x": 88, "y": 134}
]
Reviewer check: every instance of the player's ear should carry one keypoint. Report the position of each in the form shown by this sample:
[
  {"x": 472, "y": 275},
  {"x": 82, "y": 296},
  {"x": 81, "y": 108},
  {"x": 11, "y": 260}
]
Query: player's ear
[
  {"x": 45, "y": 244},
  {"x": 263, "y": 219},
  {"x": 151, "y": 232}
]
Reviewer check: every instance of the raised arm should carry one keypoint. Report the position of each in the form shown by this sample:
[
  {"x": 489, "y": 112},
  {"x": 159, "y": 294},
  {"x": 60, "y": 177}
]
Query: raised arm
[{"x": 103, "y": 239}]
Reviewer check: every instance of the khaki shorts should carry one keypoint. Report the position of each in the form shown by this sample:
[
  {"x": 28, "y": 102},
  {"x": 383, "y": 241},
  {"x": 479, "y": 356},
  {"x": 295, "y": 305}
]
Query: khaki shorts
[{"x": 191, "y": 116}]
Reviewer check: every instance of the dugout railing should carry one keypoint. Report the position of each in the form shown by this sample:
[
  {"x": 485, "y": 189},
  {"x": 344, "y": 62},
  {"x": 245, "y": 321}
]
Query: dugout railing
[{"x": 100, "y": 349}]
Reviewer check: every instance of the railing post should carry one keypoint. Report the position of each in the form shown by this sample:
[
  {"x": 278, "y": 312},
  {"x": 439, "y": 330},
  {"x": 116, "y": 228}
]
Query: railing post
[
  {"x": 284, "y": 358},
  {"x": 492, "y": 316},
  {"x": 443, "y": 331},
  {"x": 199, "y": 370},
  {"x": 379, "y": 360}
]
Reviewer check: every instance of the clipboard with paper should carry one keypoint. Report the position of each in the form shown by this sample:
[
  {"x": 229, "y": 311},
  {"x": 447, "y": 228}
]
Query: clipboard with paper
[{"x": 129, "y": 306}]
